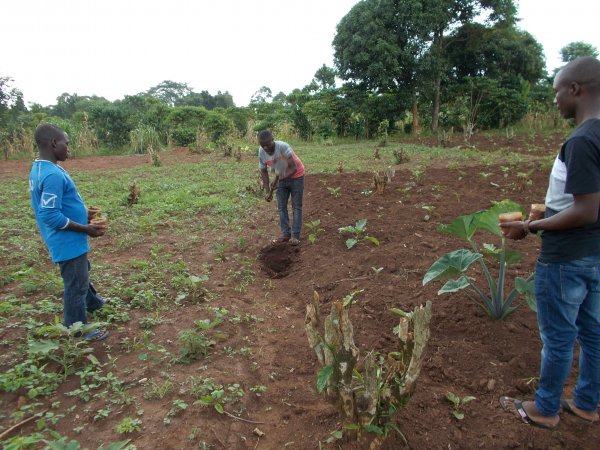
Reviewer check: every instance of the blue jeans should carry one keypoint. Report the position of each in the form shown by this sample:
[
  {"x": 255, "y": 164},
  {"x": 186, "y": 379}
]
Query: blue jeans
[
  {"x": 568, "y": 302},
  {"x": 293, "y": 187},
  {"x": 79, "y": 294}
]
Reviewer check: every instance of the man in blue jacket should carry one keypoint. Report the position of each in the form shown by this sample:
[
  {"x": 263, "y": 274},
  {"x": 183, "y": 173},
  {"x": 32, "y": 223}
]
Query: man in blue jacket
[{"x": 62, "y": 219}]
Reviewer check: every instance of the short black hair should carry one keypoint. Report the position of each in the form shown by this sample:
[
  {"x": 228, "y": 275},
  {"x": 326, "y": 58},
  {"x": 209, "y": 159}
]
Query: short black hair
[
  {"x": 45, "y": 132},
  {"x": 264, "y": 135},
  {"x": 582, "y": 70}
]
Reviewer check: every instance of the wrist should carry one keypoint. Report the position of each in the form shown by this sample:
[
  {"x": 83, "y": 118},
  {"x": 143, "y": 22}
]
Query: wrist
[{"x": 529, "y": 228}]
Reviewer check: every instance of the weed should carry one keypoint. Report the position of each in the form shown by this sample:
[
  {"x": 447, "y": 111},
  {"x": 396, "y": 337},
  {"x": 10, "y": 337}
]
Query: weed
[
  {"x": 193, "y": 345},
  {"x": 209, "y": 392},
  {"x": 417, "y": 174},
  {"x": 129, "y": 425},
  {"x": 399, "y": 156},
  {"x": 177, "y": 408},
  {"x": 242, "y": 277},
  {"x": 158, "y": 392},
  {"x": 151, "y": 321},
  {"x": 219, "y": 249},
  {"x": 258, "y": 389}
]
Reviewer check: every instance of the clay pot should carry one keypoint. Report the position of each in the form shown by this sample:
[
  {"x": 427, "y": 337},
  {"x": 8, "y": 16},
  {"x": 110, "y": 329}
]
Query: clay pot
[{"x": 94, "y": 211}]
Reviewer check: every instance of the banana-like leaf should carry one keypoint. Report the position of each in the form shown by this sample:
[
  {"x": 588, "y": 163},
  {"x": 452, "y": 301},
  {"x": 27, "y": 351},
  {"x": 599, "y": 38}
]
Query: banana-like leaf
[
  {"x": 351, "y": 243},
  {"x": 323, "y": 377},
  {"x": 373, "y": 239},
  {"x": 510, "y": 256},
  {"x": 451, "y": 265},
  {"x": 488, "y": 220},
  {"x": 525, "y": 288},
  {"x": 463, "y": 226},
  {"x": 454, "y": 285},
  {"x": 361, "y": 225},
  {"x": 43, "y": 346}
]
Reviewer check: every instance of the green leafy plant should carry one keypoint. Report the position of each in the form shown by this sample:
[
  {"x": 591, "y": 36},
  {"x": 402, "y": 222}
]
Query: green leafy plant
[
  {"x": 358, "y": 232},
  {"x": 334, "y": 191},
  {"x": 458, "y": 404},
  {"x": 314, "y": 230},
  {"x": 70, "y": 350},
  {"x": 129, "y": 425},
  {"x": 209, "y": 392},
  {"x": 159, "y": 391},
  {"x": 497, "y": 304},
  {"x": 399, "y": 156},
  {"x": 258, "y": 389},
  {"x": 177, "y": 408},
  {"x": 193, "y": 345},
  {"x": 417, "y": 174}
]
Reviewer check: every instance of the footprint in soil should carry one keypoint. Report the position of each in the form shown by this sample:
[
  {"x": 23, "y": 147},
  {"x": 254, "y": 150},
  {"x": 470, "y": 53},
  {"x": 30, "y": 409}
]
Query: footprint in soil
[{"x": 277, "y": 259}]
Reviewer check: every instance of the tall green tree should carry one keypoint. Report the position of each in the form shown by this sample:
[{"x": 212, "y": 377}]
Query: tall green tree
[
  {"x": 576, "y": 49},
  {"x": 7, "y": 95},
  {"x": 398, "y": 46},
  {"x": 169, "y": 92},
  {"x": 13, "y": 113},
  {"x": 497, "y": 64},
  {"x": 325, "y": 77}
]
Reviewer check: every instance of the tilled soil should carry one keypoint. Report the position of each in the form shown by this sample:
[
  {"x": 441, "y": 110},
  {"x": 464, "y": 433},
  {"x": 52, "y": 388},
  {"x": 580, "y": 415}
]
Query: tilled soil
[{"x": 468, "y": 354}]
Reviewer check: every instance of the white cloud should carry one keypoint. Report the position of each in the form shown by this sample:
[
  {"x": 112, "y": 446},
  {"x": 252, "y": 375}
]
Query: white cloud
[{"x": 556, "y": 23}]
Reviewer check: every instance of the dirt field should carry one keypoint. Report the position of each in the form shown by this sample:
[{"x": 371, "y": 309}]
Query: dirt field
[{"x": 468, "y": 354}]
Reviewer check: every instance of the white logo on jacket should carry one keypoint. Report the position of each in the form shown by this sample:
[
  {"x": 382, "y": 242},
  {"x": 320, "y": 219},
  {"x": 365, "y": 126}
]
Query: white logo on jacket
[{"x": 48, "y": 200}]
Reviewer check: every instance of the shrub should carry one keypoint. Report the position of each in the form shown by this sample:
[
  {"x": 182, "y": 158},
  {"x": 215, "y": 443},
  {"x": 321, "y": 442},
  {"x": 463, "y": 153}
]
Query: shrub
[{"x": 183, "y": 136}]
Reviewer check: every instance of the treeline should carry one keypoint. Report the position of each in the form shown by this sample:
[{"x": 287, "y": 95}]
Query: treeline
[
  {"x": 403, "y": 64},
  {"x": 319, "y": 110}
]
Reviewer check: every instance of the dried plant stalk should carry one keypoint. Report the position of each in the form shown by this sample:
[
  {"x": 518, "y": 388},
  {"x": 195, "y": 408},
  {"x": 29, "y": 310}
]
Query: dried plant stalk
[{"x": 386, "y": 384}]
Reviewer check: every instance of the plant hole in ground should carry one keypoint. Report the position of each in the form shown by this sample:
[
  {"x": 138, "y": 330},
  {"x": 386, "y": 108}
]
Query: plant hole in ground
[{"x": 276, "y": 259}]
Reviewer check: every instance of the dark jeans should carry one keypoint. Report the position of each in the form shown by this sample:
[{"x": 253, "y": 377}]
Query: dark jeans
[
  {"x": 79, "y": 294},
  {"x": 286, "y": 188}
]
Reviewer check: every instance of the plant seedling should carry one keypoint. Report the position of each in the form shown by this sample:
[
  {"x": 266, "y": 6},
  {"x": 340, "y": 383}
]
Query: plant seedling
[
  {"x": 315, "y": 230},
  {"x": 129, "y": 425},
  {"x": 334, "y": 191},
  {"x": 358, "y": 232},
  {"x": 458, "y": 404}
]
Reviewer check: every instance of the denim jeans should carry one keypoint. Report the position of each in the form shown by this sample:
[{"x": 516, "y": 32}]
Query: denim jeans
[
  {"x": 293, "y": 187},
  {"x": 79, "y": 294},
  {"x": 568, "y": 302}
]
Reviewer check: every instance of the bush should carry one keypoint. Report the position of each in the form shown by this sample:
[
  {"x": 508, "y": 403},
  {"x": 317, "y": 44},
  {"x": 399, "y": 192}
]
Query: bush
[
  {"x": 183, "y": 136},
  {"x": 218, "y": 126}
]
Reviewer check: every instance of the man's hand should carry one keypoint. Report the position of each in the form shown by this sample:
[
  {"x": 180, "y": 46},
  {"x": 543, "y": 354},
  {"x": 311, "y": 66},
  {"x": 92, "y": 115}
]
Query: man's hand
[
  {"x": 271, "y": 189},
  {"x": 95, "y": 230},
  {"x": 268, "y": 194},
  {"x": 514, "y": 230}
]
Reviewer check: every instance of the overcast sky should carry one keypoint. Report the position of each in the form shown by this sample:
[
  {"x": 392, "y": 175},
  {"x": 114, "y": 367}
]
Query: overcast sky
[{"x": 113, "y": 48}]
